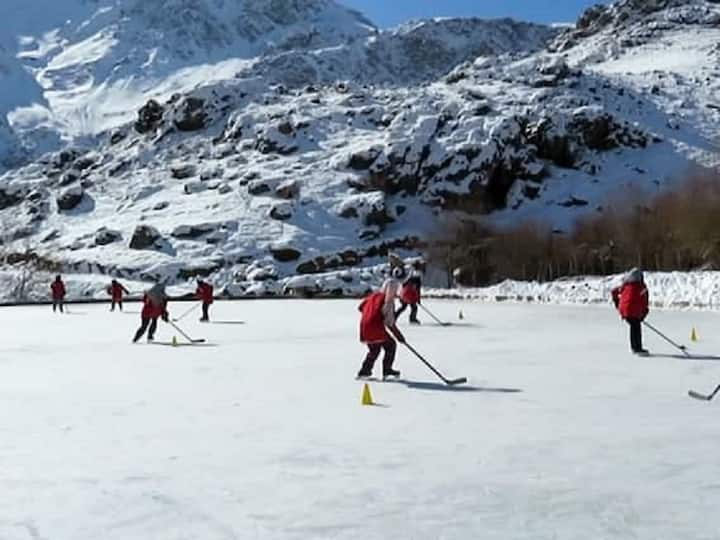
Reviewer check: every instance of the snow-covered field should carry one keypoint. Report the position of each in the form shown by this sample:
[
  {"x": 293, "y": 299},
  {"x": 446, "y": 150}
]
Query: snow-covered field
[{"x": 560, "y": 433}]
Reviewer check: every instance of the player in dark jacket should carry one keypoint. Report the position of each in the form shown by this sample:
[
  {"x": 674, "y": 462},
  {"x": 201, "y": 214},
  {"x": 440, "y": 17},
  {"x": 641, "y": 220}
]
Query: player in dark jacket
[
  {"x": 58, "y": 292},
  {"x": 204, "y": 293}
]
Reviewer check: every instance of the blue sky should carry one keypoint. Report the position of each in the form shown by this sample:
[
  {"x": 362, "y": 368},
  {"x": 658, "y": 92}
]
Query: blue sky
[{"x": 386, "y": 13}]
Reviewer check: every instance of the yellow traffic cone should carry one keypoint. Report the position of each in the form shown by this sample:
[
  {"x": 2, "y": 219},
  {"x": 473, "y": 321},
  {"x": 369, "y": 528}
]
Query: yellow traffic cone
[
  {"x": 174, "y": 341},
  {"x": 460, "y": 315},
  {"x": 694, "y": 335},
  {"x": 367, "y": 396}
]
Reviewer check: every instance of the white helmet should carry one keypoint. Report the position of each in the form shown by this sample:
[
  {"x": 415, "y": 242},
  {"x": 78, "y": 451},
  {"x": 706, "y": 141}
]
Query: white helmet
[{"x": 398, "y": 272}]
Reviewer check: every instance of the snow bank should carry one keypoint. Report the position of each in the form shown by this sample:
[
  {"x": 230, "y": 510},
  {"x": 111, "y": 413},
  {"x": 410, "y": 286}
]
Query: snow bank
[{"x": 668, "y": 290}]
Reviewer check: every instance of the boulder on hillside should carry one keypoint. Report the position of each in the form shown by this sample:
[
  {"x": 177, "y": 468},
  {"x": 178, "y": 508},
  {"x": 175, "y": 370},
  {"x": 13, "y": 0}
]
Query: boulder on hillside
[
  {"x": 145, "y": 237},
  {"x": 258, "y": 187},
  {"x": 191, "y": 232},
  {"x": 70, "y": 198},
  {"x": 363, "y": 159},
  {"x": 69, "y": 177},
  {"x": 149, "y": 117},
  {"x": 10, "y": 197},
  {"x": 195, "y": 186},
  {"x": 181, "y": 171},
  {"x": 285, "y": 254},
  {"x": 105, "y": 236},
  {"x": 274, "y": 141},
  {"x": 281, "y": 211},
  {"x": 288, "y": 190},
  {"x": 189, "y": 114}
]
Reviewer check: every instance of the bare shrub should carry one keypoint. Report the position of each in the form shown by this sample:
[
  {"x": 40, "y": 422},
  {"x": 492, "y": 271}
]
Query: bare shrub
[{"x": 675, "y": 230}]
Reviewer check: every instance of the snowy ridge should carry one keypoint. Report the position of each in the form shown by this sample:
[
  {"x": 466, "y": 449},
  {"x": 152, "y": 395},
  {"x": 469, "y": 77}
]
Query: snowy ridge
[
  {"x": 308, "y": 162},
  {"x": 415, "y": 52}
]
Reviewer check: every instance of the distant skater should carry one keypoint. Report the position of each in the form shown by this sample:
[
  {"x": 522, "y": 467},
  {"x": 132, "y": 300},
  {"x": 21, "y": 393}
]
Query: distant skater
[
  {"x": 410, "y": 296},
  {"x": 154, "y": 307},
  {"x": 632, "y": 301},
  {"x": 58, "y": 292},
  {"x": 116, "y": 291},
  {"x": 378, "y": 315},
  {"x": 204, "y": 293}
]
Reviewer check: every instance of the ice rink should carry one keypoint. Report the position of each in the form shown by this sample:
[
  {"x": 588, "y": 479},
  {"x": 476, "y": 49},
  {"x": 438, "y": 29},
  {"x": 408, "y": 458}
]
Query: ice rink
[{"x": 559, "y": 434}]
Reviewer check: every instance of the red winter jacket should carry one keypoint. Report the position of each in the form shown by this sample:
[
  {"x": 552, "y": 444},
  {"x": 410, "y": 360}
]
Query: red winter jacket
[
  {"x": 632, "y": 300},
  {"x": 205, "y": 293},
  {"x": 152, "y": 309},
  {"x": 116, "y": 291},
  {"x": 372, "y": 321},
  {"x": 409, "y": 294},
  {"x": 58, "y": 290}
]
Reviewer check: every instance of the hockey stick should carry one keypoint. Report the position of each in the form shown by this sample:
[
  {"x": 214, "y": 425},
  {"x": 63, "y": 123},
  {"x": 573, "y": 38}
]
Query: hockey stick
[
  {"x": 696, "y": 395},
  {"x": 670, "y": 341},
  {"x": 449, "y": 382},
  {"x": 426, "y": 310},
  {"x": 186, "y": 313},
  {"x": 183, "y": 334}
]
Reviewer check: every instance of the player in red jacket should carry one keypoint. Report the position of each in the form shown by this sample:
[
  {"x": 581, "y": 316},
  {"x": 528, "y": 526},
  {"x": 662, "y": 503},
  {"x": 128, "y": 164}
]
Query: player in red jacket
[
  {"x": 632, "y": 301},
  {"x": 58, "y": 294},
  {"x": 410, "y": 296},
  {"x": 154, "y": 307},
  {"x": 204, "y": 293},
  {"x": 116, "y": 291},
  {"x": 378, "y": 314}
]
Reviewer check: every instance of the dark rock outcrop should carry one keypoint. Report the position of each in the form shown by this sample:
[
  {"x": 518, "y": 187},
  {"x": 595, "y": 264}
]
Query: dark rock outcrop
[
  {"x": 70, "y": 198},
  {"x": 149, "y": 117},
  {"x": 190, "y": 114},
  {"x": 145, "y": 237},
  {"x": 105, "y": 236}
]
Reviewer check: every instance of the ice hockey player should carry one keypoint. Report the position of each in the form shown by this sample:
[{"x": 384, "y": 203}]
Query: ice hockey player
[
  {"x": 378, "y": 315},
  {"x": 204, "y": 293},
  {"x": 116, "y": 291},
  {"x": 154, "y": 307},
  {"x": 632, "y": 301},
  {"x": 58, "y": 294},
  {"x": 410, "y": 296}
]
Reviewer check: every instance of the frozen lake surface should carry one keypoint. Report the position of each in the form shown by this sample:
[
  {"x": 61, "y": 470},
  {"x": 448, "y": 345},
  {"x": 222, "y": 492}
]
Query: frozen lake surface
[{"x": 560, "y": 433}]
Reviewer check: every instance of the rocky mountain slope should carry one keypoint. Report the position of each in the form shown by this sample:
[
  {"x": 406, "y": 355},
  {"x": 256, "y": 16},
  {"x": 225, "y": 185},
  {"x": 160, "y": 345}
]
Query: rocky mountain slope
[
  {"x": 315, "y": 157},
  {"x": 93, "y": 62}
]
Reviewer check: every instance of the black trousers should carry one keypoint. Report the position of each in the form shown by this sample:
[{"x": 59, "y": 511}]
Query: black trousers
[
  {"x": 205, "y": 308},
  {"x": 58, "y": 304},
  {"x": 389, "y": 346},
  {"x": 413, "y": 311},
  {"x": 635, "y": 334},
  {"x": 152, "y": 324},
  {"x": 119, "y": 303}
]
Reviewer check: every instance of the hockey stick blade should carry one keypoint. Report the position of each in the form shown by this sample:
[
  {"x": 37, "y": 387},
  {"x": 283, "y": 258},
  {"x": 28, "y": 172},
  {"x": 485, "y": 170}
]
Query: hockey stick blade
[
  {"x": 455, "y": 382},
  {"x": 701, "y": 397}
]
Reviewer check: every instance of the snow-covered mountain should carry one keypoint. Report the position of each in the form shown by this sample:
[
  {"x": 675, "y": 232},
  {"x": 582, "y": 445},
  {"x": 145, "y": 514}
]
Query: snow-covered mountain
[
  {"x": 93, "y": 62},
  {"x": 313, "y": 156}
]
